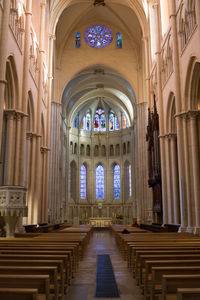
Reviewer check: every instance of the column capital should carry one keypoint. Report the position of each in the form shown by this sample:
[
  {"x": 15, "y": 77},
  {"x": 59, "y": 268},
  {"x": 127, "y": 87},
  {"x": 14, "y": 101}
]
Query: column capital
[
  {"x": 44, "y": 150},
  {"x": 10, "y": 113},
  {"x": 52, "y": 36},
  {"x": 193, "y": 113}
]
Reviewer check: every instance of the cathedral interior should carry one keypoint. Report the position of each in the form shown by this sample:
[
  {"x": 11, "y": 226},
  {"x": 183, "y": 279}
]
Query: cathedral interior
[{"x": 99, "y": 108}]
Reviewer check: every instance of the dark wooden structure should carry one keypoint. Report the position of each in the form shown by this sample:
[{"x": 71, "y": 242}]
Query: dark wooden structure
[
  {"x": 154, "y": 164},
  {"x": 99, "y": 2}
]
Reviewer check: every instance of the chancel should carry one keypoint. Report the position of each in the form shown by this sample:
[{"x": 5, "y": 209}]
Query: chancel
[{"x": 99, "y": 147}]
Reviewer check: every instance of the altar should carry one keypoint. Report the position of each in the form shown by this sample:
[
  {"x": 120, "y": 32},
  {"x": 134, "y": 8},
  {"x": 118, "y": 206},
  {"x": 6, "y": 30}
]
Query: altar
[{"x": 100, "y": 222}]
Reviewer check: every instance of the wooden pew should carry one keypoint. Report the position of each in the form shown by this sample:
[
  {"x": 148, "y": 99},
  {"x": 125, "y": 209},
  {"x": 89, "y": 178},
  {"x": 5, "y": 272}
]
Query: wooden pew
[
  {"x": 39, "y": 282},
  {"x": 148, "y": 280},
  {"x": 18, "y": 294},
  {"x": 40, "y": 263},
  {"x": 30, "y": 257},
  {"x": 161, "y": 251},
  {"x": 37, "y": 270},
  {"x": 142, "y": 269},
  {"x": 170, "y": 284},
  {"x": 157, "y": 272},
  {"x": 188, "y": 294}
]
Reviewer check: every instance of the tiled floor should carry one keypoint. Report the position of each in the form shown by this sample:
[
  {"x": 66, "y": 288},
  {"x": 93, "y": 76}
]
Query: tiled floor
[{"x": 84, "y": 283}]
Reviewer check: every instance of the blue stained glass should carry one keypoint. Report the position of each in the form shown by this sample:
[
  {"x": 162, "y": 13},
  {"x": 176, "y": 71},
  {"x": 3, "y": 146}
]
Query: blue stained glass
[
  {"x": 98, "y": 36},
  {"x": 87, "y": 122},
  {"x": 116, "y": 174},
  {"x": 76, "y": 122},
  {"x": 119, "y": 40},
  {"x": 83, "y": 182},
  {"x": 102, "y": 123},
  {"x": 78, "y": 40},
  {"x": 116, "y": 124},
  {"x": 100, "y": 185}
]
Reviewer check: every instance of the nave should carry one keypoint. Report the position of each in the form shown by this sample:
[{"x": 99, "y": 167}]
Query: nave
[{"x": 84, "y": 284}]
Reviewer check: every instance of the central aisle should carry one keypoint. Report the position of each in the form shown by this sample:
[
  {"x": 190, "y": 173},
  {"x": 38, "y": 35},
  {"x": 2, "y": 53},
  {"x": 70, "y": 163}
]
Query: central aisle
[{"x": 84, "y": 285}]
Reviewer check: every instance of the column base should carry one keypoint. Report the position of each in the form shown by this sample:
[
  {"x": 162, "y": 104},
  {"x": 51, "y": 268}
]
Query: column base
[
  {"x": 196, "y": 230},
  {"x": 10, "y": 222},
  {"x": 182, "y": 229}
]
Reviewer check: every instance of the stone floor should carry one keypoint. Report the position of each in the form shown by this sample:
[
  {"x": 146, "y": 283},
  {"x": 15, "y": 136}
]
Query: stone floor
[{"x": 84, "y": 284}]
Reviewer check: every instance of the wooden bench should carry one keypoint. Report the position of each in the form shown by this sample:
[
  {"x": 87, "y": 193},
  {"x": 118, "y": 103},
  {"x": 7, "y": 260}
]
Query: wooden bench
[
  {"x": 158, "y": 272},
  {"x": 188, "y": 294},
  {"x": 148, "y": 280},
  {"x": 37, "y": 270},
  {"x": 18, "y": 294},
  {"x": 163, "y": 251},
  {"x": 40, "y": 263},
  {"x": 170, "y": 284},
  {"x": 39, "y": 282},
  {"x": 142, "y": 269},
  {"x": 30, "y": 257}
]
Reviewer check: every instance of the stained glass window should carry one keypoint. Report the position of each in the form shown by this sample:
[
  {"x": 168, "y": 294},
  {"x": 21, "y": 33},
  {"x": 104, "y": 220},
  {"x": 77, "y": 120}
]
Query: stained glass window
[
  {"x": 130, "y": 185},
  {"x": 77, "y": 40},
  {"x": 111, "y": 122},
  {"x": 119, "y": 40},
  {"x": 87, "y": 121},
  {"x": 116, "y": 175},
  {"x": 83, "y": 182},
  {"x": 99, "y": 120},
  {"x": 96, "y": 122},
  {"x": 116, "y": 124},
  {"x": 102, "y": 126},
  {"x": 100, "y": 184},
  {"x": 98, "y": 36},
  {"x": 124, "y": 122},
  {"x": 76, "y": 122}
]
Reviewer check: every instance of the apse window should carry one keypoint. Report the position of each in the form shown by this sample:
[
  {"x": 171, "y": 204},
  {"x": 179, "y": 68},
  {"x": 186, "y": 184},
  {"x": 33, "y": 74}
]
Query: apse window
[
  {"x": 87, "y": 121},
  {"x": 116, "y": 178},
  {"x": 99, "y": 120},
  {"x": 78, "y": 40},
  {"x": 100, "y": 182},
  {"x": 98, "y": 36},
  {"x": 113, "y": 121},
  {"x": 83, "y": 182},
  {"x": 119, "y": 40}
]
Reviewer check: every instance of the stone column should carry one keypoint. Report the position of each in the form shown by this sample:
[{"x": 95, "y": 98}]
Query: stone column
[
  {"x": 175, "y": 186},
  {"x": 23, "y": 102},
  {"x": 54, "y": 179},
  {"x": 160, "y": 111},
  {"x": 187, "y": 176},
  {"x": 195, "y": 168},
  {"x": 142, "y": 182},
  {"x": 179, "y": 124},
  {"x": 168, "y": 180},
  {"x": 3, "y": 57},
  {"x": 197, "y": 6},
  {"x": 10, "y": 147},
  {"x": 17, "y": 148}
]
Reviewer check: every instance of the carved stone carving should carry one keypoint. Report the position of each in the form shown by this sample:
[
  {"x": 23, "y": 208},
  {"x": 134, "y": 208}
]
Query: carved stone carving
[{"x": 13, "y": 201}]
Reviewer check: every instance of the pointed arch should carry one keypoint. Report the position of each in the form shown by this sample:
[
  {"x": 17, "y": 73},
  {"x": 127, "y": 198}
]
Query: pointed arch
[
  {"x": 192, "y": 84},
  {"x": 170, "y": 116},
  {"x": 12, "y": 87}
]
